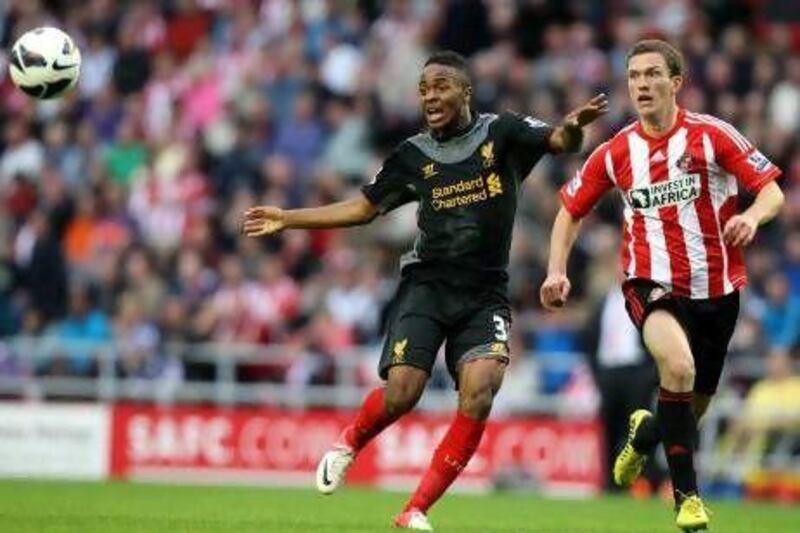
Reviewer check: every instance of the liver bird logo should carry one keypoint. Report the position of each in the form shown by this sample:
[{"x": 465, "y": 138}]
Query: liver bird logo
[
  {"x": 487, "y": 153},
  {"x": 399, "y": 351}
]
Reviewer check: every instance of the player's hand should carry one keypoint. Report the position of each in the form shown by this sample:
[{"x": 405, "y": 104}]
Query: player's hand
[
  {"x": 588, "y": 112},
  {"x": 740, "y": 230},
  {"x": 263, "y": 220},
  {"x": 554, "y": 291}
]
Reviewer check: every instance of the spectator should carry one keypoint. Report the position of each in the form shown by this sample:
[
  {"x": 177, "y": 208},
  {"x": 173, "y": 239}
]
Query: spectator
[
  {"x": 187, "y": 27},
  {"x": 143, "y": 280},
  {"x": 80, "y": 335},
  {"x": 132, "y": 63},
  {"x": 43, "y": 269},
  {"x": 341, "y": 67},
  {"x": 771, "y": 410},
  {"x": 301, "y": 138},
  {"x": 781, "y": 318},
  {"x": 352, "y": 301},
  {"x": 152, "y": 373},
  {"x": 79, "y": 238},
  {"x": 784, "y": 103},
  {"x": 277, "y": 298},
  {"x": 347, "y": 150},
  {"x": 22, "y": 154},
  {"x": 97, "y": 62},
  {"x": 623, "y": 371},
  {"x": 138, "y": 340},
  {"x": 231, "y": 315},
  {"x": 63, "y": 156},
  {"x": 127, "y": 155}
]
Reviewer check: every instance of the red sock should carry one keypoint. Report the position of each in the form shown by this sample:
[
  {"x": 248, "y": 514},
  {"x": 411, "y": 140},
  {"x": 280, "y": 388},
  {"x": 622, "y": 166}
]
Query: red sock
[
  {"x": 449, "y": 459},
  {"x": 371, "y": 420}
]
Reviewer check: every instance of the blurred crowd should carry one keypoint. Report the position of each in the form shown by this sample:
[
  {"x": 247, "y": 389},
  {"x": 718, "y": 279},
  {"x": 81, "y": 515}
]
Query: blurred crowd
[{"x": 120, "y": 204}]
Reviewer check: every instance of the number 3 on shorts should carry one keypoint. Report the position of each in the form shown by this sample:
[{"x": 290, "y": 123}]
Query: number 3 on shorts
[{"x": 501, "y": 330}]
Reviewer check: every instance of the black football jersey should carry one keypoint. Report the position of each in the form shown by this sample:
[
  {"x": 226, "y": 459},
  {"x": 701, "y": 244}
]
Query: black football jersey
[{"x": 467, "y": 188}]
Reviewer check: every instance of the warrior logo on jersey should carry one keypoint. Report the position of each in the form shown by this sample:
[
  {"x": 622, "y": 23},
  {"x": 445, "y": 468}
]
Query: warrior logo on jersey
[
  {"x": 535, "y": 123},
  {"x": 487, "y": 153},
  {"x": 671, "y": 192},
  {"x": 429, "y": 171}
]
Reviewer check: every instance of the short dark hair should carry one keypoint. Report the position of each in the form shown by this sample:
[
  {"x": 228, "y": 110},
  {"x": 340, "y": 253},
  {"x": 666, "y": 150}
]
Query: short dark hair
[
  {"x": 672, "y": 57},
  {"x": 450, "y": 59}
]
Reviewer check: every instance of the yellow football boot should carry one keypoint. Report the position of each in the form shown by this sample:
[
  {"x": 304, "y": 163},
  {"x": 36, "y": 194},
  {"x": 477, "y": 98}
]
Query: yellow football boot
[
  {"x": 629, "y": 463},
  {"x": 692, "y": 514}
]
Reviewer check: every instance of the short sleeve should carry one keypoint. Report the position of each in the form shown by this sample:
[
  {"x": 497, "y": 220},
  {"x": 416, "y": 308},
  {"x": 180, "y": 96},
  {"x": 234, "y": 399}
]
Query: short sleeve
[
  {"x": 736, "y": 155},
  {"x": 580, "y": 194},
  {"x": 391, "y": 187},
  {"x": 529, "y": 139}
]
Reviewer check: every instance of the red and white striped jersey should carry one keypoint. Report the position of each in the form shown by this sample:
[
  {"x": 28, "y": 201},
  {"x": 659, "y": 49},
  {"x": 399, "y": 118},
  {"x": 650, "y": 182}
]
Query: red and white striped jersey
[{"x": 679, "y": 190}]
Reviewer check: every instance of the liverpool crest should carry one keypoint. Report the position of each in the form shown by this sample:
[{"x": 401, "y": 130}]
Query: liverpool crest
[{"x": 487, "y": 153}]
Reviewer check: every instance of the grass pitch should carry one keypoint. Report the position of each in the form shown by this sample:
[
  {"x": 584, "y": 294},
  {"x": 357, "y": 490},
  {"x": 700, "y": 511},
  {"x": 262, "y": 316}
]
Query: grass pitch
[{"x": 27, "y": 507}]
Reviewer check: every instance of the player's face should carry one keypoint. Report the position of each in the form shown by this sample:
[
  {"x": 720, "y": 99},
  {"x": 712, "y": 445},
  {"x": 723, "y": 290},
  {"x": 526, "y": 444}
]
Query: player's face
[
  {"x": 443, "y": 93},
  {"x": 651, "y": 88}
]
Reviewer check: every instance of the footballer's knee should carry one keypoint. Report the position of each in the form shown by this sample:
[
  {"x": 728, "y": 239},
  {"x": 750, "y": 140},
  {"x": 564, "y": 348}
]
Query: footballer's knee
[
  {"x": 677, "y": 372},
  {"x": 477, "y": 402},
  {"x": 403, "y": 389},
  {"x": 480, "y": 381},
  {"x": 667, "y": 341}
]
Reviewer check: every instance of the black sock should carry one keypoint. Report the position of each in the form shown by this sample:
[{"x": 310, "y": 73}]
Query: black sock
[
  {"x": 677, "y": 424},
  {"x": 648, "y": 435}
]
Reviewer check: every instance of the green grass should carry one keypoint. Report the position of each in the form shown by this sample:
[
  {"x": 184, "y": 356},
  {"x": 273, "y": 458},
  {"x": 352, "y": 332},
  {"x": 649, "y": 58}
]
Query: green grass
[{"x": 27, "y": 506}]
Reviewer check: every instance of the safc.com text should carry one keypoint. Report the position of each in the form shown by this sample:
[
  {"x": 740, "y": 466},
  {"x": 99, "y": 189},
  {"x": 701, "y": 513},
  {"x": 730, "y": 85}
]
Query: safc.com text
[{"x": 282, "y": 446}]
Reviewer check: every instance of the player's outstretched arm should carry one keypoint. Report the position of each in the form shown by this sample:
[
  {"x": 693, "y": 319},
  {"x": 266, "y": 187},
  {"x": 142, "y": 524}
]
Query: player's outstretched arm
[
  {"x": 569, "y": 135},
  {"x": 741, "y": 229},
  {"x": 555, "y": 289},
  {"x": 267, "y": 220}
]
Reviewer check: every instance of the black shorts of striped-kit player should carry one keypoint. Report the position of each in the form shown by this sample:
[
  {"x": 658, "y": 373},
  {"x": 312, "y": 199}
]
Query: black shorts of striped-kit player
[{"x": 709, "y": 324}]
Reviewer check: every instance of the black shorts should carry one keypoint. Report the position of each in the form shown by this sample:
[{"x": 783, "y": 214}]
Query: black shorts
[
  {"x": 708, "y": 323},
  {"x": 474, "y": 322}
]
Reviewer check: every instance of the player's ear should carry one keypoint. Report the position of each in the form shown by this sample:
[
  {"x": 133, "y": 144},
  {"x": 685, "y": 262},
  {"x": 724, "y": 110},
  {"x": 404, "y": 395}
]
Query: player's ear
[
  {"x": 677, "y": 83},
  {"x": 468, "y": 93}
]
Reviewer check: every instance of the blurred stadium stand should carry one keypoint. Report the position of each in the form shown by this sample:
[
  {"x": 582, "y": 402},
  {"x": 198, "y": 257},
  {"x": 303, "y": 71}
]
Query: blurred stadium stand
[{"x": 122, "y": 271}]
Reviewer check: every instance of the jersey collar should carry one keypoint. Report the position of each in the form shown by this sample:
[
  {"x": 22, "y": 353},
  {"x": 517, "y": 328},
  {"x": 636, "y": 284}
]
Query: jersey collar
[
  {"x": 458, "y": 133},
  {"x": 678, "y": 123}
]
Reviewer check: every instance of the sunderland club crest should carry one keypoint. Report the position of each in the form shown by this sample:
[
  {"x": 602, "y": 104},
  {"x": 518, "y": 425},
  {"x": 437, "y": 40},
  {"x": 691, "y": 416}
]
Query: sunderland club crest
[{"x": 685, "y": 163}]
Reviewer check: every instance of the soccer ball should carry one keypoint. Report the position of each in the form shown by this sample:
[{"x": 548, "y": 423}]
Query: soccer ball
[{"x": 45, "y": 63}]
